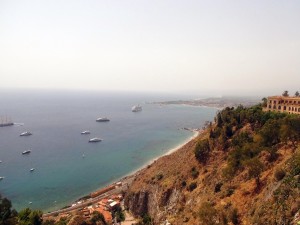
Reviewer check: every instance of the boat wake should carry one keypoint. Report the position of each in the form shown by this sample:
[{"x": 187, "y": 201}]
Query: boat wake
[{"x": 19, "y": 124}]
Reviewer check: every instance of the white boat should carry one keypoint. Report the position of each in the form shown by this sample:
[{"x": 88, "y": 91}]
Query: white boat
[
  {"x": 102, "y": 119},
  {"x": 32, "y": 169},
  {"x": 0, "y": 161},
  {"x": 1, "y": 178},
  {"x": 26, "y": 152},
  {"x": 136, "y": 108},
  {"x": 26, "y": 133},
  {"x": 85, "y": 132},
  {"x": 95, "y": 140}
]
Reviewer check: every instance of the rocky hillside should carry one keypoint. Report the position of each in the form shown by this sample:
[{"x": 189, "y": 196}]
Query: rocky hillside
[{"x": 243, "y": 169}]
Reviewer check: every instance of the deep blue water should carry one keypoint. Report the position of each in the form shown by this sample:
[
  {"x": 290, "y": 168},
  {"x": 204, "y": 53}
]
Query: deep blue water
[{"x": 62, "y": 175}]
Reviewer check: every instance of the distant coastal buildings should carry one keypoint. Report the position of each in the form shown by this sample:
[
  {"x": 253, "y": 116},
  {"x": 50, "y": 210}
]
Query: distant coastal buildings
[{"x": 284, "y": 104}]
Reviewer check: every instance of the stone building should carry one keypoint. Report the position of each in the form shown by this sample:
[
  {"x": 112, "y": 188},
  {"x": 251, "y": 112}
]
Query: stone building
[{"x": 283, "y": 104}]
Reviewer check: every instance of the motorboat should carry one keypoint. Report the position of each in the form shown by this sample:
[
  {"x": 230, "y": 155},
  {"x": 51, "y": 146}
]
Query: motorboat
[
  {"x": 26, "y": 152},
  {"x": 85, "y": 132},
  {"x": 95, "y": 140},
  {"x": 1, "y": 178},
  {"x": 26, "y": 133},
  {"x": 136, "y": 108},
  {"x": 102, "y": 119},
  {"x": 32, "y": 169}
]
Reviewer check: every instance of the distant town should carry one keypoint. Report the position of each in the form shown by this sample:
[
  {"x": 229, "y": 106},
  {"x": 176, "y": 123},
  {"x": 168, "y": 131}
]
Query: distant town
[{"x": 220, "y": 102}]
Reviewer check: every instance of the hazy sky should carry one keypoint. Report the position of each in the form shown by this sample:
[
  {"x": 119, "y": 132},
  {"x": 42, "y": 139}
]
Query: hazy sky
[{"x": 220, "y": 47}]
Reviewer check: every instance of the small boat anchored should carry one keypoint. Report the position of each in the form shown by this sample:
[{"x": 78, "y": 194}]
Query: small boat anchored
[
  {"x": 95, "y": 140},
  {"x": 1, "y": 178},
  {"x": 85, "y": 132},
  {"x": 32, "y": 169},
  {"x": 136, "y": 108},
  {"x": 26, "y": 152},
  {"x": 103, "y": 119},
  {"x": 26, "y": 133}
]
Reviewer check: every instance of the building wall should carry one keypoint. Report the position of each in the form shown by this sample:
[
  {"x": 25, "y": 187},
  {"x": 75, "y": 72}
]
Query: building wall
[{"x": 283, "y": 104}]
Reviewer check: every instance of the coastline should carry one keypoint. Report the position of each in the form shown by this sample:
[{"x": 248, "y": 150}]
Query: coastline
[
  {"x": 126, "y": 179},
  {"x": 170, "y": 151}
]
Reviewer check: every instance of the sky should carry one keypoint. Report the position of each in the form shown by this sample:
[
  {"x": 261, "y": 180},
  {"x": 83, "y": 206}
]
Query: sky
[{"x": 188, "y": 46}]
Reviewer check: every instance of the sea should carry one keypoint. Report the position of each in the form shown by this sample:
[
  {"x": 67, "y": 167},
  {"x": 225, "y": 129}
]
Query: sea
[{"x": 66, "y": 165}]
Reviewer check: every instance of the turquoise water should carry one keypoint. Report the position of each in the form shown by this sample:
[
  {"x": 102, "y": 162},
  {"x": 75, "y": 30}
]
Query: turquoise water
[{"x": 62, "y": 175}]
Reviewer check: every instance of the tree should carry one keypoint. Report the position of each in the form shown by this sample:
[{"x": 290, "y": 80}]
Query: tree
[
  {"x": 264, "y": 100},
  {"x": 5, "y": 209},
  {"x": 147, "y": 220},
  {"x": 202, "y": 150},
  {"x": 97, "y": 216},
  {"x": 297, "y": 94},
  {"x": 119, "y": 214},
  {"x": 35, "y": 217},
  {"x": 30, "y": 217},
  {"x": 285, "y": 94},
  {"x": 255, "y": 168}
]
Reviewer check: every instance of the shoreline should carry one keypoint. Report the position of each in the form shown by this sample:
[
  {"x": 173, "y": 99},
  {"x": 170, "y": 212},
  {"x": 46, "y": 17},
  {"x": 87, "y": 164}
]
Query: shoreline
[
  {"x": 170, "y": 151},
  {"x": 126, "y": 179}
]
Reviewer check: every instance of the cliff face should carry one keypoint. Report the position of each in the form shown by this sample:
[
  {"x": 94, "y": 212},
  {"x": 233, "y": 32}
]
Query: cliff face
[
  {"x": 154, "y": 202},
  {"x": 158, "y": 190},
  {"x": 179, "y": 189}
]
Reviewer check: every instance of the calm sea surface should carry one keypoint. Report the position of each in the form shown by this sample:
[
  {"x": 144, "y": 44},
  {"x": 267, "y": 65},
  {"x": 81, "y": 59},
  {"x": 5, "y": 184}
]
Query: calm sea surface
[{"x": 62, "y": 174}]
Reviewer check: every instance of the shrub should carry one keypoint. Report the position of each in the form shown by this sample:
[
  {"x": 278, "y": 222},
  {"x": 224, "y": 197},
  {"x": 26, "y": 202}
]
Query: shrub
[
  {"x": 159, "y": 176},
  {"x": 218, "y": 187},
  {"x": 208, "y": 214},
  {"x": 229, "y": 192},
  {"x": 195, "y": 173},
  {"x": 192, "y": 186},
  {"x": 147, "y": 220},
  {"x": 279, "y": 174},
  {"x": 295, "y": 164},
  {"x": 234, "y": 217}
]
